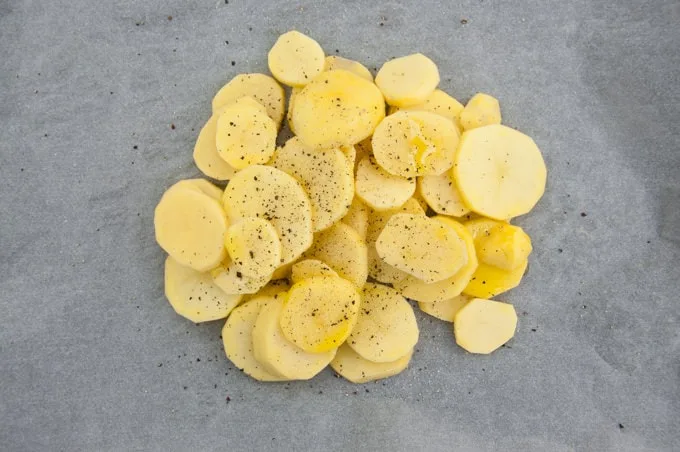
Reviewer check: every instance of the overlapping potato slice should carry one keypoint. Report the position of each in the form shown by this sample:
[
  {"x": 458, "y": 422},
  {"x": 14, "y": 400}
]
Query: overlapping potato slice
[
  {"x": 264, "y": 89},
  {"x": 438, "y": 102},
  {"x": 206, "y": 157},
  {"x": 334, "y": 62},
  {"x": 481, "y": 110},
  {"x": 295, "y": 59},
  {"x": 276, "y": 288},
  {"x": 310, "y": 268},
  {"x": 481, "y": 326},
  {"x": 441, "y": 194},
  {"x": 445, "y": 309},
  {"x": 379, "y": 189},
  {"x": 357, "y": 369},
  {"x": 407, "y": 80},
  {"x": 254, "y": 247},
  {"x": 245, "y": 135},
  {"x": 201, "y": 186},
  {"x": 504, "y": 246},
  {"x": 357, "y": 217},
  {"x": 231, "y": 280}
]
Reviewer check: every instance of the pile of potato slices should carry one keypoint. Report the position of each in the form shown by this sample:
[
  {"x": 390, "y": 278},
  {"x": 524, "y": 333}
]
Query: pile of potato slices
[{"x": 390, "y": 190}]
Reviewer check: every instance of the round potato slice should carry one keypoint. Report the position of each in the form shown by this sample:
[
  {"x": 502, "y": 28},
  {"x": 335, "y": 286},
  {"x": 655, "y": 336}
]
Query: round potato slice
[
  {"x": 415, "y": 143},
  {"x": 262, "y": 88},
  {"x": 408, "y": 80},
  {"x": 276, "y": 289},
  {"x": 333, "y": 63},
  {"x": 504, "y": 246},
  {"x": 231, "y": 280},
  {"x": 481, "y": 326},
  {"x": 357, "y": 217},
  {"x": 295, "y": 59},
  {"x": 206, "y": 157},
  {"x": 356, "y": 369},
  {"x": 337, "y": 108},
  {"x": 310, "y": 268},
  {"x": 291, "y": 105},
  {"x": 245, "y": 135},
  {"x": 422, "y": 247},
  {"x": 325, "y": 175},
  {"x": 320, "y": 312},
  {"x": 499, "y": 171},
  {"x": 343, "y": 250},
  {"x": 445, "y": 309},
  {"x": 280, "y": 356},
  {"x": 386, "y": 329},
  {"x": 190, "y": 226},
  {"x": 441, "y": 194},
  {"x": 481, "y": 110},
  {"x": 380, "y": 189},
  {"x": 271, "y": 194},
  {"x": 193, "y": 294},
  {"x": 448, "y": 288},
  {"x": 441, "y": 103},
  {"x": 254, "y": 247},
  {"x": 237, "y": 337},
  {"x": 201, "y": 186}
]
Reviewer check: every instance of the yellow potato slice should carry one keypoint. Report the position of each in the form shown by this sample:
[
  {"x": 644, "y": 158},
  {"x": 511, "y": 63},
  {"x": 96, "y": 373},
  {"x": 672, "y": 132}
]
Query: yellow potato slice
[
  {"x": 320, "y": 312},
  {"x": 237, "y": 337},
  {"x": 295, "y": 59},
  {"x": 441, "y": 103},
  {"x": 441, "y": 194},
  {"x": 271, "y": 194},
  {"x": 325, "y": 175},
  {"x": 333, "y": 63},
  {"x": 190, "y": 226},
  {"x": 489, "y": 281},
  {"x": 364, "y": 148},
  {"x": 274, "y": 289},
  {"x": 245, "y": 135},
  {"x": 343, "y": 250},
  {"x": 499, "y": 171},
  {"x": 356, "y": 369},
  {"x": 310, "y": 268},
  {"x": 291, "y": 105},
  {"x": 337, "y": 108},
  {"x": 419, "y": 198},
  {"x": 481, "y": 326},
  {"x": 504, "y": 246},
  {"x": 254, "y": 247},
  {"x": 201, "y": 186},
  {"x": 481, "y": 110},
  {"x": 206, "y": 157},
  {"x": 422, "y": 247},
  {"x": 193, "y": 294},
  {"x": 445, "y": 309},
  {"x": 448, "y": 288},
  {"x": 380, "y": 189},
  {"x": 386, "y": 329},
  {"x": 283, "y": 272},
  {"x": 280, "y": 356},
  {"x": 264, "y": 89},
  {"x": 350, "y": 153},
  {"x": 231, "y": 280},
  {"x": 415, "y": 143},
  {"x": 408, "y": 80},
  {"x": 357, "y": 217}
]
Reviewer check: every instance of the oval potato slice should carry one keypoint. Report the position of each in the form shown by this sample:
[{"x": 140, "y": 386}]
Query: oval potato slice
[
  {"x": 356, "y": 369},
  {"x": 254, "y": 247},
  {"x": 310, "y": 268},
  {"x": 206, "y": 157},
  {"x": 263, "y": 88},
  {"x": 441, "y": 194},
  {"x": 231, "y": 280},
  {"x": 407, "y": 80},
  {"x": 295, "y": 59},
  {"x": 441, "y": 103},
  {"x": 481, "y": 326},
  {"x": 481, "y": 110},
  {"x": 245, "y": 135},
  {"x": 201, "y": 186},
  {"x": 380, "y": 189},
  {"x": 445, "y": 309},
  {"x": 357, "y": 217},
  {"x": 386, "y": 328},
  {"x": 333, "y": 63}
]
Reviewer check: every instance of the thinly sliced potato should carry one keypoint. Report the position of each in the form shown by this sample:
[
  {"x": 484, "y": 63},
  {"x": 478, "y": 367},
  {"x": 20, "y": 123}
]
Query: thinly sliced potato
[
  {"x": 231, "y": 280},
  {"x": 482, "y": 326},
  {"x": 351, "y": 155},
  {"x": 504, "y": 246},
  {"x": 245, "y": 135},
  {"x": 343, "y": 250},
  {"x": 333, "y": 63},
  {"x": 441, "y": 194},
  {"x": 206, "y": 157},
  {"x": 448, "y": 288},
  {"x": 283, "y": 272},
  {"x": 291, "y": 105},
  {"x": 386, "y": 329},
  {"x": 310, "y": 268},
  {"x": 325, "y": 175},
  {"x": 254, "y": 247},
  {"x": 237, "y": 337},
  {"x": 280, "y": 356},
  {"x": 482, "y": 110},
  {"x": 441, "y": 103},
  {"x": 417, "y": 196},
  {"x": 380, "y": 189},
  {"x": 190, "y": 226},
  {"x": 295, "y": 59},
  {"x": 337, "y": 108},
  {"x": 271, "y": 194},
  {"x": 356, "y": 369},
  {"x": 357, "y": 217},
  {"x": 407, "y": 80},
  {"x": 422, "y": 247},
  {"x": 499, "y": 172},
  {"x": 320, "y": 312},
  {"x": 364, "y": 148},
  {"x": 260, "y": 87},
  {"x": 201, "y": 186},
  {"x": 193, "y": 294},
  {"x": 445, "y": 309},
  {"x": 276, "y": 289}
]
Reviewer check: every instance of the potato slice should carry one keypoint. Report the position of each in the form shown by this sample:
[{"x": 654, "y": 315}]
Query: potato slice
[
  {"x": 489, "y": 281},
  {"x": 441, "y": 194},
  {"x": 237, "y": 337},
  {"x": 386, "y": 329},
  {"x": 310, "y": 268},
  {"x": 231, "y": 280},
  {"x": 325, "y": 175},
  {"x": 193, "y": 294},
  {"x": 481, "y": 110},
  {"x": 419, "y": 198},
  {"x": 357, "y": 217},
  {"x": 254, "y": 247},
  {"x": 295, "y": 59},
  {"x": 262, "y": 88},
  {"x": 364, "y": 148},
  {"x": 283, "y": 272},
  {"x": 190, "y": 226},
  {"x": 408, "y": 80},
  {"x": 333, "y": 63},
  {"x": 482, "y": 326},
  {"x": 350, "y": 153},
  {"x": 445, "y": 309},
  {"x": 504, "y": 246},
  {"x": 440, "y": 103},
  {"x": 448, "y": 288},
  {"x": 201, "y": 186},
  {"x": 276, "y": 289},
  {"x": 320, "y": 312},
  {"x": 245, "y": 135},
  {"x": 499, "y": 171},
  {"x": 380, "y": 189},
  {"x": 337, "y": 108},
  {"x": 271, "y": 194},
  {"x": 415, "y": 143},
  {"x": 422, "y": 247},
  {"x": 206, "y": 157},
  {"x": 356, "y": 369},
  {"x": 291, "y": 105},
  {"x": 280, "y": 356},
  {"x": 343, "y": 250}
]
